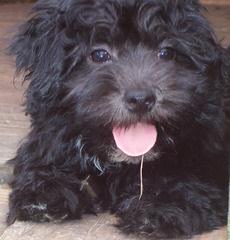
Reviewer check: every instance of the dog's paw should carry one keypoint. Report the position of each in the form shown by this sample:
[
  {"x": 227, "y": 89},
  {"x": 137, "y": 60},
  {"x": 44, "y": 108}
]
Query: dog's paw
[
  {"x": 154, "y": 224},
  {"x": 136, "y": 219},
  {"x": 42, "y": 208},
  {"x": 165, "y": 217},
  {"x": 41, "y": 213}
]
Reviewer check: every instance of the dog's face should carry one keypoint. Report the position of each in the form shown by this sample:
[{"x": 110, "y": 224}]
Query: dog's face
[{"x": 120, "y": 65}]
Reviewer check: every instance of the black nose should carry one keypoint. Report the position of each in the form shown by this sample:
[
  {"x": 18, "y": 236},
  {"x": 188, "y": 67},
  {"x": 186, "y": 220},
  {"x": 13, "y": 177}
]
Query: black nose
[{"x": 139, "y": 100}]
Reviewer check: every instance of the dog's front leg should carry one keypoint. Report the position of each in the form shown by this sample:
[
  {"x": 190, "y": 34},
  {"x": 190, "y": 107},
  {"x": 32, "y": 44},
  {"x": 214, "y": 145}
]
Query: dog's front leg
[
  {"x": 175, "y": 208},
  {"x": 48, "y": 196},
  {"x": 48, "y": 183}
]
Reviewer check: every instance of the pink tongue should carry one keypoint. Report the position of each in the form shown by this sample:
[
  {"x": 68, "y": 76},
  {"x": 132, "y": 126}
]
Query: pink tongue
[{"x": 135, "y": 140}]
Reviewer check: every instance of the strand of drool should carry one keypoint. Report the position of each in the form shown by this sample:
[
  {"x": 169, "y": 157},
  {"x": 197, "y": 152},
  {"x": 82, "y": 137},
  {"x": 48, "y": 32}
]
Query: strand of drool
[{"x": 141, "y": 178}]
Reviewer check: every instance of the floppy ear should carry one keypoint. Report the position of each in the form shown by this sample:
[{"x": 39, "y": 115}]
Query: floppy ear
[{"x": 38, "y": 52}]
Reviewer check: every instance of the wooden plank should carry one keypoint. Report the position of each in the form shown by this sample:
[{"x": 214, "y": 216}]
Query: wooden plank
[
  {"x": 216, "y": 2},
  {"x": 220, "y": 19},
  {"x": 13, "y": 123},
  {"x": 4, "y": 193},
  {"x": 13, "y": 128}
]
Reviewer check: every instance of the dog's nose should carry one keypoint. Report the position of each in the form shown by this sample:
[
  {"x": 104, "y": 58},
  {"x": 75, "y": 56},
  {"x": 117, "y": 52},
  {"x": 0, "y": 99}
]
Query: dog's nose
[{"x": 139, "y": 100}]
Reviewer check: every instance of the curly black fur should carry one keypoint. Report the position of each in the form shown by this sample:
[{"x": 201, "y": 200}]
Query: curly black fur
[{"x": 74, "y": 104}]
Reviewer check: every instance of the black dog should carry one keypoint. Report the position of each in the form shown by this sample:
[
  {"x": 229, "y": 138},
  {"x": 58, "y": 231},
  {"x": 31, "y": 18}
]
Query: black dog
[{"x": 129, "y": 105}]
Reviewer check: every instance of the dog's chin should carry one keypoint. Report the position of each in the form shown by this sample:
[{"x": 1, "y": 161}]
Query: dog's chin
[{"x": 116, "y": 155}]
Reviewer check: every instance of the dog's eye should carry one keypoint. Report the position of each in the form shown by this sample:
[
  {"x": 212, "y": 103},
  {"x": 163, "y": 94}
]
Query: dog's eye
[
  {"x": 166, "y": 54},
  {"x": 100, "y": 56}
]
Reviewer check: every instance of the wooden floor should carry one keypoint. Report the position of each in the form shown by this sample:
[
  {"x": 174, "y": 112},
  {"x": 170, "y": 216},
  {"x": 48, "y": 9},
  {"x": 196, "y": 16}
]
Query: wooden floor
[{"x": 14, "y": 126}]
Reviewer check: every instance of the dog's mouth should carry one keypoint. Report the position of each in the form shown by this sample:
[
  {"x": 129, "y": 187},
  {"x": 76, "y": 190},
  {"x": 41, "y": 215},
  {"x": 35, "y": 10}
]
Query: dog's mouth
[{"x": 135, "y": 140}]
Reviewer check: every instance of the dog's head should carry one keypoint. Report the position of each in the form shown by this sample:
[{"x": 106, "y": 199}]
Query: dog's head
[{"x": 138, "y": 73}]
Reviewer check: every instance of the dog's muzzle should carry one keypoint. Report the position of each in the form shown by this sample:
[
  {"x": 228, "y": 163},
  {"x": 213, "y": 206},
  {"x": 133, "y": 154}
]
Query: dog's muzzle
[{"x": 139, "y": 101}]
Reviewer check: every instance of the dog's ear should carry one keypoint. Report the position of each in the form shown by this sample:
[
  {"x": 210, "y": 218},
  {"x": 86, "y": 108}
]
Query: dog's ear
[
  {"x": 35, "y": 38},
  {"x": 37, "y": 51}
]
